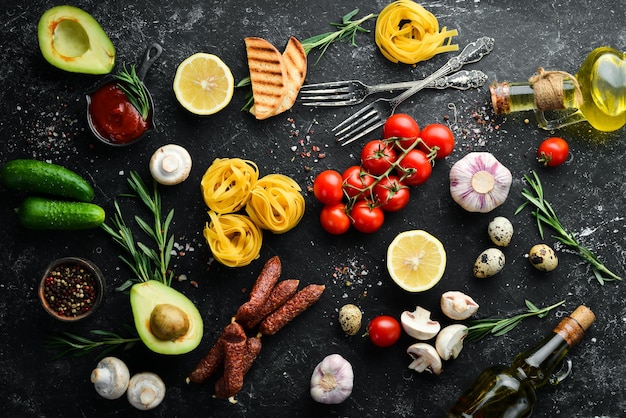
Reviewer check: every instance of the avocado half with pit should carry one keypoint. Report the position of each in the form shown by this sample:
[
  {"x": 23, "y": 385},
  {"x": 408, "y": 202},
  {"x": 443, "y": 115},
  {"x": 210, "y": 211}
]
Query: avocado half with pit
[
  {"x": 166, "y": 320},
  {"x": 72, "y": 40}
]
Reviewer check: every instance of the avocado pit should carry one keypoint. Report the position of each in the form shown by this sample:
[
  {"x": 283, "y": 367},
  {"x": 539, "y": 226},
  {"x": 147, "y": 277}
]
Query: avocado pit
[{"x": 168, "y": 322}]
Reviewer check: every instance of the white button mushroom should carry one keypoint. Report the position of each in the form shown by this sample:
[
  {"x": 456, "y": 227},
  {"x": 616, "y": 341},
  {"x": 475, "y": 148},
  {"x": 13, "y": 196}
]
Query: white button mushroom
[
  {"x": 500, "y": 231},
  {"x": 145, "y": 391},
  {"x": 543, "y": 257},
  {"x": 457, "y": 305},
  {"x": 489, "y": 263},
  {"x": 425, "y": 358},
  {"x": 110, "y": 377},
  {"x": 449, "y": 342},
  {"x": 418, "y": 324},
  {"x": 170, "y": 164}
]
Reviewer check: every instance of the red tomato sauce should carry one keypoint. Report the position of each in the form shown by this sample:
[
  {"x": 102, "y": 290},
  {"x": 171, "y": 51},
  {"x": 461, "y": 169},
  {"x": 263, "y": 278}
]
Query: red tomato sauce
[{"x": 114, "y": 117}]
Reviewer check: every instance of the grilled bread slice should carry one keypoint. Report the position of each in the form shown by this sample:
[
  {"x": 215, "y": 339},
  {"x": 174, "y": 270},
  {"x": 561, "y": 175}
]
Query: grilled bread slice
[
  {"x": 295, "y": 61},
  {"x": 267, "y": 76}
]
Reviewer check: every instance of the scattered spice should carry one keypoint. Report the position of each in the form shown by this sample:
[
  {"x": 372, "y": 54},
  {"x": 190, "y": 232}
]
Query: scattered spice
[{"x": 70, "y": 290}]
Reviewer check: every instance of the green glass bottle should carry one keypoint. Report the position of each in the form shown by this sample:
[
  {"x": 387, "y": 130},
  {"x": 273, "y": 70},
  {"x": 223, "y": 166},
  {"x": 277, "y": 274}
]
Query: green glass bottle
[
  {"x": 597, "y": 93},
  {"x": 509, "y": 392}
]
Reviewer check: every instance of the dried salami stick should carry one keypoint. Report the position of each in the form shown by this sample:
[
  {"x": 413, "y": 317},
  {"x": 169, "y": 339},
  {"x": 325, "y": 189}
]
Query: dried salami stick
[
  {"x": 234, "y": 352},
  {"x": 253, "y": 348},
  {"x": 209, "y": 363},
  {"x": 300, "y": 302},
  {"x": 260, "y": 291},
  {"x": 280, "y": 294}
]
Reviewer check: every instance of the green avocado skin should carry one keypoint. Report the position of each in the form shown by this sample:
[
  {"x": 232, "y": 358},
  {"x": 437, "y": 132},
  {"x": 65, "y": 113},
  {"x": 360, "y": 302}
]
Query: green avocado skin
[{"x": 40, "y": 177}]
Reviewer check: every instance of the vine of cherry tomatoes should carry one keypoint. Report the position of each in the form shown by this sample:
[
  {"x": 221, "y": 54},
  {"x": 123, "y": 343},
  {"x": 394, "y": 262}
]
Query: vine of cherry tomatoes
[{"x": 360, "y": 195}]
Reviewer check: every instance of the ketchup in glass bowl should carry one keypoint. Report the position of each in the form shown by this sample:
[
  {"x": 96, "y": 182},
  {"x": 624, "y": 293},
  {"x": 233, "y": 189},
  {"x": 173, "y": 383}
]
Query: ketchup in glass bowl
[{"x": 120, "y": 109}]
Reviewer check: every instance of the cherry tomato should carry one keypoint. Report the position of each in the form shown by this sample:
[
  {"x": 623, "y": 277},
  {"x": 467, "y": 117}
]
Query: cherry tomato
[
  {"x": 391, "y": 194},
  {"x": 366, "y": 218},
  {"x": 384, "y": 330},
  {"x": 377, "y": 157},
  {"x": 334, "y": 219},
  {"x": 440, "y": 136},
  {"x": 328, "y": 187},
  {"x": 404, "y": 126},
  {"x": 415, "y": 168},
  {"x": 553, "y": 152},
  {"x": 356, "y": 181}
]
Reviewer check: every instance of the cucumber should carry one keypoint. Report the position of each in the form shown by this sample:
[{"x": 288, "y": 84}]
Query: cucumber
[
  {"x": 40, "y": 177},
  {"x": 41, "y": 213}
]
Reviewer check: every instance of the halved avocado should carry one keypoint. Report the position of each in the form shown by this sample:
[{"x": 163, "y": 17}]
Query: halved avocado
[
  {"x": 72, "y": 40},
  {"x": 166, "y": 320}
]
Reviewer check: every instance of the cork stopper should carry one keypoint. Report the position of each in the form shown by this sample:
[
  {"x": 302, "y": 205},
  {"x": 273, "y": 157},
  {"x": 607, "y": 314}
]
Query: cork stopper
[{"x": 584, "y": 316}]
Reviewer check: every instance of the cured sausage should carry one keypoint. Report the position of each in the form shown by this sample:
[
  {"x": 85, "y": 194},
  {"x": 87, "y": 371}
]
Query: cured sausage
[
  {"x": 234, "y": 346},
  {"x": 209, "y": 363},
  {"x": 260, "y": 291},
  {"x": 282, "y": 292},
  {"x": 300, "y": 302},
  {"x": 253, "y": 348}
]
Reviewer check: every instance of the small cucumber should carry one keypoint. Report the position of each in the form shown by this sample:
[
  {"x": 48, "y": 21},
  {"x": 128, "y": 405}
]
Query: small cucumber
[
  {"x": 41, "y": 213},
  {"x": 34, "y": 176}
]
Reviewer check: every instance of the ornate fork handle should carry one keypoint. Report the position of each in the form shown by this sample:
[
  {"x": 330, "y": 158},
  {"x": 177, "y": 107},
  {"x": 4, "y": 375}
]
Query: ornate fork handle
[{"x": 461, "y": 80}]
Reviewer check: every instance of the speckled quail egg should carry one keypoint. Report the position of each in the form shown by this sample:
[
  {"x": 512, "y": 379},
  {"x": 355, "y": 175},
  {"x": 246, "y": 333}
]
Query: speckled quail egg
[
  {"x": 350, "y": 319},
  {"x": 489, "y": 263},
  {"x": 542, "y": 257},
  {"x": 500, "y": 231}
]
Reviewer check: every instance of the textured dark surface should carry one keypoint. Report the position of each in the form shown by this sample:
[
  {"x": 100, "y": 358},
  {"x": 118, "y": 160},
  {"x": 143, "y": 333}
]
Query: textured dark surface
[{"x": 43, "y": 117}]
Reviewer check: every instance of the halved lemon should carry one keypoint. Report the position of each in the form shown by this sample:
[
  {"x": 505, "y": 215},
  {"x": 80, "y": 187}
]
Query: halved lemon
[
  {"x": 416, "y": 260},
  {"x": 203, "y": 84}
]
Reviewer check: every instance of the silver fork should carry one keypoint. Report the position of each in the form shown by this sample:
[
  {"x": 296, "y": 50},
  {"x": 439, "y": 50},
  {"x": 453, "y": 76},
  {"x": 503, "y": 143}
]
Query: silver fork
[
  {"x": 352, "y": 92},
  {"x": 374, "y": 115}
]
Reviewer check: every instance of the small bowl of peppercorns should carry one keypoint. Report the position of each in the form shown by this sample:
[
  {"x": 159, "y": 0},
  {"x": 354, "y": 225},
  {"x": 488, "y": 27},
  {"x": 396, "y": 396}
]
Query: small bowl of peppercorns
[{"x": 71, "y": 288}]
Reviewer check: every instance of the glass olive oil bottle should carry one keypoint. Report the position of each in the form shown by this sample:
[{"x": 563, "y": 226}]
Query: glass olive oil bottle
[
  {"x": 509, "y": 392},
  {"x": 597, "y": 93}
]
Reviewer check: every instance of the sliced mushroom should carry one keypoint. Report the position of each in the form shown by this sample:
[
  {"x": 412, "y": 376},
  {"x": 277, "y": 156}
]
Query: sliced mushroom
[
  {"x": 450, "y": 341},
  {"x": 418, "y": 324},
  {"x": 145, "y": 391},
  {"x": 457, "y": 305},
  {"x": 425, "y": 358},
  {"x": 110, "y": 377}
]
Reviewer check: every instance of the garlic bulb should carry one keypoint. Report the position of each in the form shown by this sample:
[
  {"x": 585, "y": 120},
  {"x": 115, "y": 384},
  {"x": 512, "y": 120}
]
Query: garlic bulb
[
  {"x": 332, "y": 380},
  {"x": 479, "y": 183}
]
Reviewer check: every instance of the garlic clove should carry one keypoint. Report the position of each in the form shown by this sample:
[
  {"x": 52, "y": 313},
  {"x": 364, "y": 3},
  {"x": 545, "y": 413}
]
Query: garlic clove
[
  {"x": 418, "y": 324},
  {"x": 425, "y": 358},
  {"x": 332, "y": 380},
  {"x": 110, "y": 378},
  {"x": 449, "y": 342},
  {"x": 457, "y": 305},
  {"x": 170, "y": 164},
  {"x": 479, "y": 182}
]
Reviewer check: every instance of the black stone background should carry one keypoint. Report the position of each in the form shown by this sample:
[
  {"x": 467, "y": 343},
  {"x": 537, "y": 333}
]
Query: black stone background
[{"x": 43, "y": 117}]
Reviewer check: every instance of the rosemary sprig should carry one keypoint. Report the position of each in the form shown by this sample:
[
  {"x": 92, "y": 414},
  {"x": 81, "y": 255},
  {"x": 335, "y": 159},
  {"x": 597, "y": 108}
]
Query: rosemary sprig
[
  {"x": 146, "y": 263},
  {"x": 346, "y": 30},
  {"x": 72, "y": 345},
  {"x": 134, "y": 90},
  {"x": 545, "y": 215},
  {"x": 480, "y": 328}
]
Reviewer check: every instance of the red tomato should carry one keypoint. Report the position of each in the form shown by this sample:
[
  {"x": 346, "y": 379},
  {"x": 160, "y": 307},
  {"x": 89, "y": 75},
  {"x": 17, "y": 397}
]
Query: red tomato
[
  {"x": 404, "y": 126},
  {"x": 391, "y": 194},
  {"x": 384, "y": 330},
  {"x": 553, "y": 152},
  {"x": 377, "y": 157},
  {"x": 328, "y": 187},
  {"x": 440, "y": 136},
  {"x": 415, "y": 168},
  {"x": 334, "y": 219},
  {"x": 366, "y": 218},
  {"x": 356, "y": 181}
]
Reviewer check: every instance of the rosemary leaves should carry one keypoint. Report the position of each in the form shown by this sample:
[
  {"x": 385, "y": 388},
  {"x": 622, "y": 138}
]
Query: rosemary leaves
[{"x": 135, "y": 91}]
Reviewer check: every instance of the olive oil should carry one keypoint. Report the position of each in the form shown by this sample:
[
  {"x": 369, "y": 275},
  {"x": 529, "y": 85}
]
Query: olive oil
[
  {"x": 597, "y": 94},
  {"x": 510, "y": 391}
]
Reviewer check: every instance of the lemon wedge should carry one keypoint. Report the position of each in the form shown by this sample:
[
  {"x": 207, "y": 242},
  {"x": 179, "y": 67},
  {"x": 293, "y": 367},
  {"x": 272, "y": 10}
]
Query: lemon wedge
[
  {"x": 203, "y": 84},
  {"x": 416, "y": 260}
]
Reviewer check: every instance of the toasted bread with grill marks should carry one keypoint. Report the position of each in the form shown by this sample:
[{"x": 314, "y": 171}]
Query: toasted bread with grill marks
[
  {"x": 267, "y": 76},
  {"x": 295, "y": 61}
]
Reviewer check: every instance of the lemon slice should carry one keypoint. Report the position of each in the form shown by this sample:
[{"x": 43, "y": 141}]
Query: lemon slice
[
  {"x": 203, "y": 84},
  {"x": 416, "y": 260}
]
